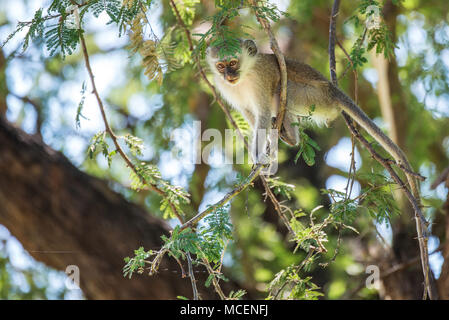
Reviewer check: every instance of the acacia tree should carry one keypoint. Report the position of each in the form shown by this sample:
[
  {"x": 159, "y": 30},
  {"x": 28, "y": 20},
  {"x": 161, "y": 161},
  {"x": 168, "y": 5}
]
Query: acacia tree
[{"x": 62, "y": 30}]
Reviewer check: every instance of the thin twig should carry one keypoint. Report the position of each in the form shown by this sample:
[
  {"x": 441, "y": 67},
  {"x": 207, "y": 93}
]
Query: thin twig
[
  {"x": 443, "y": 177},
  {"x": 354, "y": 70},
  {"x": 281, "y": 61},
  {"x": 407, "y": 170},
  {"x": 111, "y": 132},
  {"x": 277, "y": 206},
  {"x": 214, "y": 279},
  {"x": 421, "y": 223},
  {"x": 228, "y": 197},
  {"x": 220, "y": 101},
  {"x": 332, "y": 40},
  {"x": 129, "y": 162},
  {"x": 192, "y": 278}
]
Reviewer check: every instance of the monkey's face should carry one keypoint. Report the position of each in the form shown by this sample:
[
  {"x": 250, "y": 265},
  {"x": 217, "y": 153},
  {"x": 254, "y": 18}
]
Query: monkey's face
[{"x": 230, "y": 69}]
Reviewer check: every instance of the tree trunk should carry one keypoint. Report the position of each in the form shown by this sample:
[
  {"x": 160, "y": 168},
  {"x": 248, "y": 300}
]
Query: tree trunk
[{"x": 63, "y": 217}]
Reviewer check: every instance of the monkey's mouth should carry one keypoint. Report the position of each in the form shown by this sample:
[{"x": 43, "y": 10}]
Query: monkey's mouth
[{"x": 233, "y": 81}]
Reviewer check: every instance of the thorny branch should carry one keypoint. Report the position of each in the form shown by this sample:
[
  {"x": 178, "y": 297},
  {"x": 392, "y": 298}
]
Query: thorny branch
[
  {"x": 281, "y": 61},
  {"x": 203, "y": 73},
  {"x": 283, "y": 99},
  {"x": 228, "y": 197},
  {"x": 226, "y": 110},
  {"x": 126, "y": 158},
  {"x": 111, "y": 132},
  {"x": 421, "y": 223}
]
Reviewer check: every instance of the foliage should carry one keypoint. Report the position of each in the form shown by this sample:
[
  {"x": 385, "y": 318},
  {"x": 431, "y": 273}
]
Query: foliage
[
  {"x": 375, "y": 32},
  {"x": 148, "y": 175},
  {"x": 281, "y": 188},
  {"x": 222, "y": 36},
  {"x": 206, "y": 244},
  {"x": 290, "y": 285},
  {"x": 313, "y": 233},
  {"x": 307, "y": 146}
]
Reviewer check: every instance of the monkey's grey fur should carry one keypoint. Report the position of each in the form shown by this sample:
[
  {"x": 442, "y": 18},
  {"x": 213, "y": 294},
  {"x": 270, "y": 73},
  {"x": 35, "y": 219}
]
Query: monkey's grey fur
[{"x": 252, "y": 84}]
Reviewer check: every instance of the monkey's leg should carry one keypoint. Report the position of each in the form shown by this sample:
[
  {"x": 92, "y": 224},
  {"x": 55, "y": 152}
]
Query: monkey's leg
[
  {"x": 289, "y": 131},
  {"x": 260, "y": 145},
  {"x": 249, "y": 117}
]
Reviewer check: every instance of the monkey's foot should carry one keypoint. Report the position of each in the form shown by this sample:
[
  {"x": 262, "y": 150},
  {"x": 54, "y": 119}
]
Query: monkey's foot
[
  {"x": 288, "y": 133},
  {"x": 286, "y": 137}
]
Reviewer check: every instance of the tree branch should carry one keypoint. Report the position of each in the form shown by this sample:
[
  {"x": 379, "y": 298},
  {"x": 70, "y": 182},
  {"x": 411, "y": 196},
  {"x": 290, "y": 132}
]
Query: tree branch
[
  {"x": 224, "y": 108},
  {"x": 62, "y": 216},
  {"x": 113, "y": 135},
  {"x": 421, "y": 223},
  {"x": 128, "y": 161},
  {"x": 281, "y": 61},
  {"x": 228, "y": 197}
]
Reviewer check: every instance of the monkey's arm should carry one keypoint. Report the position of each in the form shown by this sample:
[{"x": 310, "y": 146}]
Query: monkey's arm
[
  {"x": 249, "y": 117},
  {"x": 262, "y": 114},
  {"x": 260, "y": 132}
]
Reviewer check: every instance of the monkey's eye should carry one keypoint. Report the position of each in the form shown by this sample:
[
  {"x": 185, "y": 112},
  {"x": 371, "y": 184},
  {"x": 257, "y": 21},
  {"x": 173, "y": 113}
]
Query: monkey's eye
[
  {"x": 233, "y": 63},
  {"x": 220, "y": 66}
]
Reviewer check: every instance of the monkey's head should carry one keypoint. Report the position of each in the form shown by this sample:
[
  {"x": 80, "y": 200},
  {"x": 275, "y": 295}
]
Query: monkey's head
[{"x": 233, "y": 68}]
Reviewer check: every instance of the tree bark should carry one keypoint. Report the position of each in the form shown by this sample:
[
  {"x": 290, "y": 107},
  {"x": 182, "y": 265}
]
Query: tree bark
[
  {"x": 443, "y": 224},
  {"x": 63, "y": 217},
  {"x": 3, "y": 84},
  {"x": 443, "y": 280}
]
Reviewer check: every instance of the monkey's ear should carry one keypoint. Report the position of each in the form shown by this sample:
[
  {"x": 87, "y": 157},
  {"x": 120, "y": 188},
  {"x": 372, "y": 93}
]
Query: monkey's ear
[
  {"x": 212, "y": 52},
  {"x": 250, "y": 45}
]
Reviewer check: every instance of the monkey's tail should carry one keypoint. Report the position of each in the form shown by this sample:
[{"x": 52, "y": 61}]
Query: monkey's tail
[
  {"x": 349, "y": 106},
  {"x": 366, "y": 123}
]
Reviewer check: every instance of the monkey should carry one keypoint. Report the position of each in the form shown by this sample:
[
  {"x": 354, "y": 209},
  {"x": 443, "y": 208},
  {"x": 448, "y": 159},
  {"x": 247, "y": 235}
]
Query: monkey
[{"x": 250, "y": 83}]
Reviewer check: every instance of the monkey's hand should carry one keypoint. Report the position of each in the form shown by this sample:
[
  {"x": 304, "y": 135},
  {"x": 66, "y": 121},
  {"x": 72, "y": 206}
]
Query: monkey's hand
[
  {"x": 264, "y": 147},
  {"x": 261, "y": 155}
]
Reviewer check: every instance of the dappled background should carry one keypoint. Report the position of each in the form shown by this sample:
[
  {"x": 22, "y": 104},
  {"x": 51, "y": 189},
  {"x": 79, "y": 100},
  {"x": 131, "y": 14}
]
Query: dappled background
[{"x": 407, "y": 95}]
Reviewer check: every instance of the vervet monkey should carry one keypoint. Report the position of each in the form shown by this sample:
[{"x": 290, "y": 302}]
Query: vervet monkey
[{"x": 250, "y": 82}]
